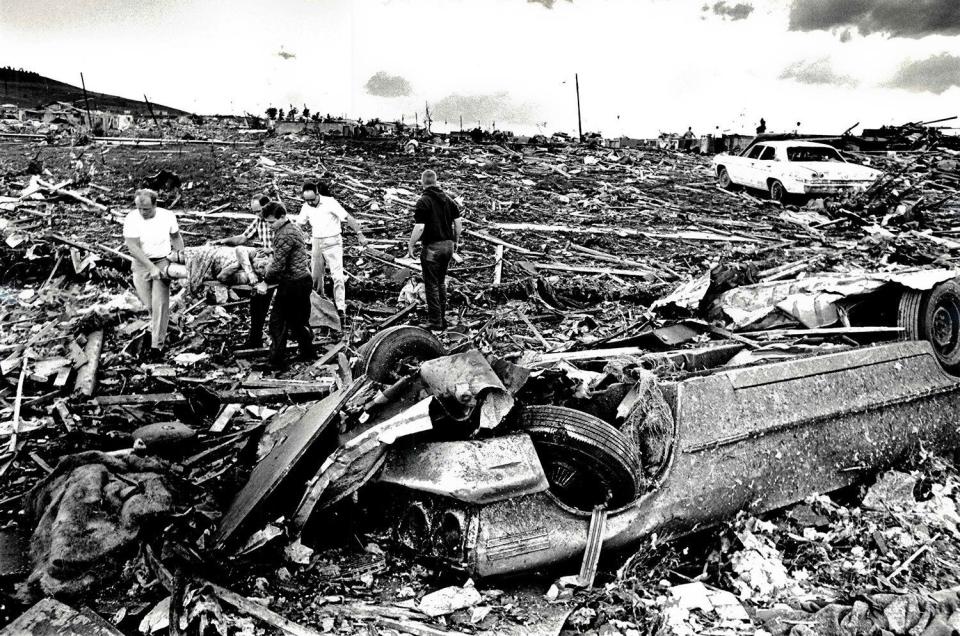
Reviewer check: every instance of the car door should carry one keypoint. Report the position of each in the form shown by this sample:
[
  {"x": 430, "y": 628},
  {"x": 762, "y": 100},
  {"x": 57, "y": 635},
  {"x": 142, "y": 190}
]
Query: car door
[
  {"x": 764, "y": 167},
  {"x": 746, "y": 168}
]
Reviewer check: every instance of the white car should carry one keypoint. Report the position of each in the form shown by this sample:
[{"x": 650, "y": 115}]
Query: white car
[{"x": 793, "y": 167}]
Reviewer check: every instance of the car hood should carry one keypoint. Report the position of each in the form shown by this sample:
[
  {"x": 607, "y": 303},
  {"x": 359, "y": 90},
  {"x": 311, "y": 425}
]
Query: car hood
[{"x": 835, "y": 171}]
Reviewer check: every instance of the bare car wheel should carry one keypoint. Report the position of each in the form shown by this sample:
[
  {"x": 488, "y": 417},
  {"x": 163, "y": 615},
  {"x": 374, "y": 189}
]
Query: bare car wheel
[
  {"x": 588, "y": 462},
  {"x": 934, "y": 315},
  {"x": 777, "y": 191},
  {"x": 723, "y": 178},
  {"x": 397, "y": 351}
]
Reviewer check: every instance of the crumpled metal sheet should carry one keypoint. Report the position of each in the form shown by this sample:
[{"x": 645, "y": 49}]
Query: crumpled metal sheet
[
  {"x": 812, "y": 300},
  {"x": 472, "y": 471},
  {"x": 465, "y": 381}
]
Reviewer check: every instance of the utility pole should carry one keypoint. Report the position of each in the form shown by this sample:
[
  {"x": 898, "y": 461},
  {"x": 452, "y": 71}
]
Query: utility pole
[
  {"x": 86, "y": 102},
  {"x": 156, "y": 123},
  {"x": 461, "y": 123},
  {"x": 576, "y": 79}
]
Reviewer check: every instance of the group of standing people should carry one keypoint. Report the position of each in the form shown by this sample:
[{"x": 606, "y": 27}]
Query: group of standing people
[{"x": 296, "y": 267}]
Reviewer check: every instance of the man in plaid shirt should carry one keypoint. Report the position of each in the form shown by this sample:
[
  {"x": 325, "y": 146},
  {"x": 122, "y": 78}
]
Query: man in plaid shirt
[
  {"x": 290, "y": 270},
  {"x": 260, "y": 234}
]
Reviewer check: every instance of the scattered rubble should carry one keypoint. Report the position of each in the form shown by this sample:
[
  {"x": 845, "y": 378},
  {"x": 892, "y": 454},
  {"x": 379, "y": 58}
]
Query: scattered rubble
[{"x": 594, "y": 281}]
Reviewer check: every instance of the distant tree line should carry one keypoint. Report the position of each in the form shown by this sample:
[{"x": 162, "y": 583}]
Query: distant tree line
[{"x": 8, "y": 73}]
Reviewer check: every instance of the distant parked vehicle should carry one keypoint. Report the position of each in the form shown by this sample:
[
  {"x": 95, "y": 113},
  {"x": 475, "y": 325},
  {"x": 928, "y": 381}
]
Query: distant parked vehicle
[{"x": 785, "y": 168}]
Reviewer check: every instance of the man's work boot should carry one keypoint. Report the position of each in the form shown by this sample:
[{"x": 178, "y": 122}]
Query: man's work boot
[{"x": 343, "y": 320}]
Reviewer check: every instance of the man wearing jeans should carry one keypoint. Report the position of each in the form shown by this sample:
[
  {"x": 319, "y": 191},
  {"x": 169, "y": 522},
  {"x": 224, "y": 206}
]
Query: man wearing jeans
[
  {"x": 289, "y": 268},
  {"x": 438, "y": 225},
  {"x": 260, "y": 233},
  {"x": 325, "y": 216},
  {"x": 150, "y": 234}
]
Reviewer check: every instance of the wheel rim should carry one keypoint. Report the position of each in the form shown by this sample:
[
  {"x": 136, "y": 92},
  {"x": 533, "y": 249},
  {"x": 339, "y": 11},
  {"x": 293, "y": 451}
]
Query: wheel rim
[
  {"x": 724, "y": 178},
  {"x": 945, "y": 324},
  {"x": 776, "y": 191}
]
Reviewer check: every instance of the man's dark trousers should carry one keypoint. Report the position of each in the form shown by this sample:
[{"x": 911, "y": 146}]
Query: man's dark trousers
[
  {"x": 291, "y": 317},
  {"x": 259, "y": 307},
  {"x": 434, "y": 258}
]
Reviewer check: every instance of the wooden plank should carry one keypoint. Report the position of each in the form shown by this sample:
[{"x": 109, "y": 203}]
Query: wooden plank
[
  {"x": 243, "y": 396},
  {"x": 259, "y": 611},
  {"x": 501, "y": 243},
  {"x": 824, "y": 331},
  {"x": 17, "y": 403},
  {"x": 86, "y": 382},
  {"x": 575, "y": 269},
  {"x": 225, "y": 416},
  {"x": 498, "y": 265},
  {"x": 268, "y": 475}
]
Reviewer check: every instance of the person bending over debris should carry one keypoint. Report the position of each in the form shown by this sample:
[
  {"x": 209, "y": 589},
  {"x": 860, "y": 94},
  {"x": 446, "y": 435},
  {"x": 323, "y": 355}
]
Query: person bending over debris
[
  {"x": 259, "y": 233},
  {"x": 437, "y": 225},
  {"x": 228, "y": 265},
  {"x": 289, "y": 268},
  {"x": 325, "y": 216},
  {"x": 150, "y": 234}
]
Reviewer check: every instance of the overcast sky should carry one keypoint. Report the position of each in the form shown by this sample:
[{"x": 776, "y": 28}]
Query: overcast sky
[{"x": 645, "y": 66}]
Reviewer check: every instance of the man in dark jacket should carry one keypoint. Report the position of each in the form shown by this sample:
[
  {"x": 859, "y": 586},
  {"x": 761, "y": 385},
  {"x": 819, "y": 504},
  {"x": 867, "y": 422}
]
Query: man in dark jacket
[
  {"x": 290, "y": 270},
  {"x": 438, "y": 225}
]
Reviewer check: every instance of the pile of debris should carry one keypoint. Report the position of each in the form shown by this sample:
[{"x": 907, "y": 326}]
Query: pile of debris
[{"x": 592, "y": 282}]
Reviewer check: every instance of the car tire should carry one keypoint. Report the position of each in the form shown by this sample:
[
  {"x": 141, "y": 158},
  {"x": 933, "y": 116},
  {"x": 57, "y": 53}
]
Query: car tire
[
  {"x": 934, "y": 315},
  {"x": 777, "y": 192},
  {"x": 588, "y": 462},
  {"x": 390, "y": 354},
  {"x": 723, "y": 178}
]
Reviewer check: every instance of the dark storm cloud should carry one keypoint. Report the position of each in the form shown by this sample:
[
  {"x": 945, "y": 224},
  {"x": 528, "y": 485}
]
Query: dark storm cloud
[
  {"x": 935, "y": 74},
  {"x": 498, "y": 107},
  {"x": 896, "y": 18},
  {"x": 547, "y": 3},
  {"x": 739, "y": 11},
  {"x": 385, "y": 85},
  {"x": 816, "y": 72}
]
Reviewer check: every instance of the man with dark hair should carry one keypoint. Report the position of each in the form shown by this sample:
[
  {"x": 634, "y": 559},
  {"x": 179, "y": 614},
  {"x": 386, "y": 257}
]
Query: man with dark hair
[
  {"x": 325, "y": 216},
  {"x": 260, "y": 233},
  {"x": 438, "y": 225},
  {"x": 289, "y": 268}
]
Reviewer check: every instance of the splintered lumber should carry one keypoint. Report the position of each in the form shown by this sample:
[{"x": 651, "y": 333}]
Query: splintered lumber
[
  {"x": 86, "y": 382},
  {"x": 50, "y": 617},
  {"x": 576, "y": 269},
  {"x": 225, "y": 416},
  {"x": 499, "y": 242},
  {"x": 17, "y": 403},
  {"x": 689, "y": 235},
  {"x": 243, "y": 396},
  {"x": 74, "y": 195},
  {"x": 92, "y": 248},
  {"x": 498, "y": 265},
  {"x": 544, "y": 359},
  {"x": 259, "y": 611}
]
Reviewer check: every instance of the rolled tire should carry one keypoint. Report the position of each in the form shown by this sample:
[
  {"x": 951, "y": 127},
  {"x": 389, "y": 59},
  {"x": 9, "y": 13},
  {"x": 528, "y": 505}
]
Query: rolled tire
[
  {"x": 587, "y": 461},
  {"x": 934, "y": 315},
  {"x": 723, "y": 178},
  {"x": 777, "y": 191},
  {"x": 391, "y": 353}
]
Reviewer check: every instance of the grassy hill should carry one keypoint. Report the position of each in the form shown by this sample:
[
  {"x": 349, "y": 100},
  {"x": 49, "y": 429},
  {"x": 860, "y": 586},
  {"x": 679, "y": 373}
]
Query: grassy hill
[{"x": 32, "y": 90}]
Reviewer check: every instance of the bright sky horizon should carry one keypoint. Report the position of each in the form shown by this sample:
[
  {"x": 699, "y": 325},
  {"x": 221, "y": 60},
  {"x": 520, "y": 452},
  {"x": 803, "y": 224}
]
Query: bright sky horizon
[{"x": 645, "y": 66}]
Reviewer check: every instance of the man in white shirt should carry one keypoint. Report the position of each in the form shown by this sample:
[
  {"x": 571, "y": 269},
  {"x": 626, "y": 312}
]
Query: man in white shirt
[
  {"x": 325, "y": 216},
  {"x": 151, "y": 233}
]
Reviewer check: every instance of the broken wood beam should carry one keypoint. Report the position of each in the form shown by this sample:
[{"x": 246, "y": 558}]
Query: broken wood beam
[
  {"x": 260, "y": 612},
  {"x": 74, "y": 195},
  {"x": 575, "y": 269},
  {"x": 86, "y": 382},
  {"x": 225, "y": 416},
  {"x": 498, "y": 265},
  {"x": 501, "y": 243},
  {"x": 242, "y": 396},
  {"x": 823, "y": 331}
]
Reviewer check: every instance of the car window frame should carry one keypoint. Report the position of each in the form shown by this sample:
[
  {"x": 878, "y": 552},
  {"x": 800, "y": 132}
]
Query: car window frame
[
  {"x": 773, "y": 154},
  {"x": 759, "y": 148}
]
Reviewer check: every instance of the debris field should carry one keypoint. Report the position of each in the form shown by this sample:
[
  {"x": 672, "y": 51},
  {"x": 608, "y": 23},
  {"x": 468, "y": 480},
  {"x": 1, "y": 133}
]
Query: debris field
[{"x": 200, "y": 494}]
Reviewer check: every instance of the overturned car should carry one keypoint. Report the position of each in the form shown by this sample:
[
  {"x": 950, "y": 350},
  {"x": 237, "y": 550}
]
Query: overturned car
[{"x": 500, "y": 467}]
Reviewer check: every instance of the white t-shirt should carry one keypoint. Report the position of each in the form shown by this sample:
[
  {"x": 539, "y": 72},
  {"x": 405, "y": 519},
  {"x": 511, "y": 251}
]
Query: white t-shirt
[
  {"x": 325, "y": 219},
  {"x": 154, "y": 233}
]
